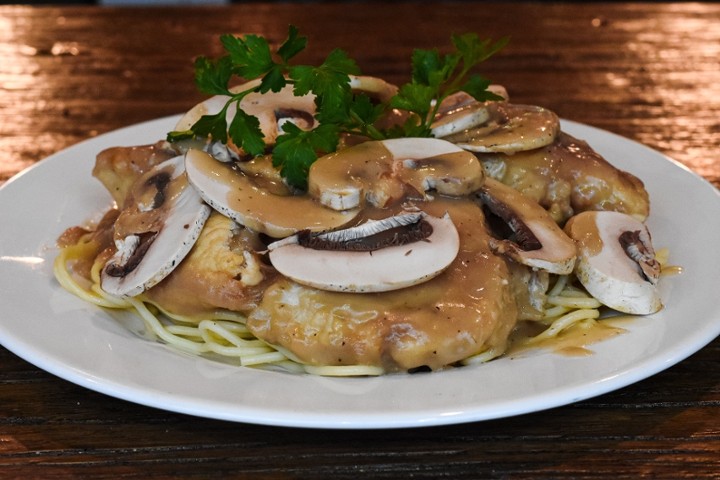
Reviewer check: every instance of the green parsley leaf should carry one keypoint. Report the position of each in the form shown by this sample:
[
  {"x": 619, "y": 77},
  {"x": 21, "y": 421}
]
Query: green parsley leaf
[
  {"x": 292, "y": 45},
  {"x": 273, "y": 80},
  {"x": 179, "y": 135},
  {"x": 423, "y": 63},
  {"x": 245, "y": 133},
  {"x": 297, "y": 149},
  {"x": 339, "y": 110},
  {"x": 363, "y": 116},
  {"x": 431, "y": 69},
  {"x": 476, "y": 86},
  {"x": 473, "y": 50},
  {"x": 436, "y": 76},
  {"x": 212, "y": 77},
  {"x": 415, "y": 98},
  {"x": 250, "y": 55},
  {"x": 213, "y": 126},
  {"x": 330, "y": 82}
]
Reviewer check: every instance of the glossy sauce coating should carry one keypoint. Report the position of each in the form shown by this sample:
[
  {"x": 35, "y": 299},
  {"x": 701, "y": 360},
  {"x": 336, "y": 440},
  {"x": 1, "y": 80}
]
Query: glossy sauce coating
[
  {"x": 262, "y": 210},
  {"x": 463, "y": 311},
  {"x": 568, "y": 177},
  {"x": 149, "y": 201}
]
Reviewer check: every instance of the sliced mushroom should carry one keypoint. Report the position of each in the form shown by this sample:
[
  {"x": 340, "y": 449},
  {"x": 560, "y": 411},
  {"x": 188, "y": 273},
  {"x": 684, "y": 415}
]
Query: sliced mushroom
[
  {"x": 510, "y": 128},
  {"x": 429, "y": 164},
  {"x": 373, "y": 86},
  {"x": 459, "y": 119},
  {"x": 499, "y": 90},
  {"x": 376, "y": 172},
  {"x": 350, "y": 177},
  {"x": 377, "y": 256},
  {"x": 461, "y": 111},
  {"x": 271, "y": 108},
  {"x": 526, "y": 232},
  {"x": 118, "y": 168},
  {"x": 616, "y": 261},
  {"x": 264, "y": 174},
  {"x": 237, "y": 196},
  {"x": 161, "y": 222}
]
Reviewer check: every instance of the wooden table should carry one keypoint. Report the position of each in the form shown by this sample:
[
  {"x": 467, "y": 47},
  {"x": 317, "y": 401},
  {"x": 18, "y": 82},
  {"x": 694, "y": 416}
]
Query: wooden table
[{"x": 649, "y": 72}]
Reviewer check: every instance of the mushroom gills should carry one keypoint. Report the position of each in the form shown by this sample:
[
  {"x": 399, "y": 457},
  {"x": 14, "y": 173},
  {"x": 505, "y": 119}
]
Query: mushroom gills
[
  {"x": 376, "y": 256},
  {"x": 637, "y": 246},
  {"x": 524, "y": 231},
  {"x": 146, "y": 255},
  {"x": 616, "y": 261},
  {"x": 371, "y": 236},
  {"x": 272, "y": 109}
]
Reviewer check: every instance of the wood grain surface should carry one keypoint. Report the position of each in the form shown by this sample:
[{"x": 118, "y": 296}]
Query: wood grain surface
[{"x": 649, "y": 72}]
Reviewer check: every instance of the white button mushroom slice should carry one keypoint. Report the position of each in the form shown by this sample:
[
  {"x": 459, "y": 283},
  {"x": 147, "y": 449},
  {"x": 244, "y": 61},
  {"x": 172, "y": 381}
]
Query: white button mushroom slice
[
  {"x": 210, "y": 106},
  {"x": 355, "y": 260},
  {"x": 459, "y": 119},
  {"x": 374, "y": 86},
  {"x": 511, "y": 128},
  {"x": 532, "y": 237},
  {"x": 178, "y": 214},
  {"x": 238, "y": 197},
  {"x": 271, "y": 108},
  {"x": 264, "y": 174},
  {"x": 429, "y": 164},
  {"x": 461, "y": 111},
  {"x": 463, "y": 98},
  {"x": 499, "y": 90},
  {"x": 376, "y": 172},
  {"x": 616, "y": 261},
  {"x": 349, "y": 177}
]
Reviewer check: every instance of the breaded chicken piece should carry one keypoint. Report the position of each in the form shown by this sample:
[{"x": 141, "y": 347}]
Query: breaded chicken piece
[
  {"x": 222, "y": 271},
  {"x": 466, "y": 310},
  {"x": 117, "y": 168},
  {"x": 569, "y": 177}
]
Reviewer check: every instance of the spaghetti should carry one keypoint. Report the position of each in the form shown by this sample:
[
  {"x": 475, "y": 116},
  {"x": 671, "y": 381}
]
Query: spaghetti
[{"x": 226, "y": 336}]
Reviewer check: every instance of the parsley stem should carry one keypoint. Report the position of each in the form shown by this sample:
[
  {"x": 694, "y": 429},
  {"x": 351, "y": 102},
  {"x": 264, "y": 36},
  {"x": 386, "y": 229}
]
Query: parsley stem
[{"x": 365, "y": 129}]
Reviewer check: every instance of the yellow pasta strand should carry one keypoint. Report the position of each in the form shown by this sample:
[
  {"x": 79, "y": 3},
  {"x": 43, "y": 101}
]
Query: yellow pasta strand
[
  {"x": 66, "y": 280},
  {"x": 559, "y": 286},
  {"x": 483, "y": 357},
  {"x": 226, "y": 334},
  {"x": 566, "y": 321},
  {"x": 573, "y": 302},
  {"x": 161, "y": 332},
  {"x": 263, "y": 358}
]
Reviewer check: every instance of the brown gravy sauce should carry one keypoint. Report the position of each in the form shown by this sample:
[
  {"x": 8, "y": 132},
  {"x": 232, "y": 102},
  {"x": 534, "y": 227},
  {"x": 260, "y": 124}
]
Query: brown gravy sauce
[
  {"x": 293, "y": 211},
  {"x": 133, "y": 220},
  {"x": 444, "y": 297},
  {"x": 435, "y": 323},
  {"x": 506, "y": 120},
  {"x": 568, "y": 176}
]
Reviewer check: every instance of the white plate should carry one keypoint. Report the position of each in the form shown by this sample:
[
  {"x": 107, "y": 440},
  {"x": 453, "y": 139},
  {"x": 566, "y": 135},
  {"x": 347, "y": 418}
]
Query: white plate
[{"x": 61, "y": 334}]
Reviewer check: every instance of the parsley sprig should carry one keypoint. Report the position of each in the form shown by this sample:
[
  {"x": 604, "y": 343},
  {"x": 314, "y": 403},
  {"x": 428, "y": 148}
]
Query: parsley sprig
[{"x": 338, "y": 109}]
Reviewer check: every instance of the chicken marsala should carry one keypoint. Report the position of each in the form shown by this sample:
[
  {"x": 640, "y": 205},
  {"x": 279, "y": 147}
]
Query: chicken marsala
[{"x": 416, "y": 232}]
